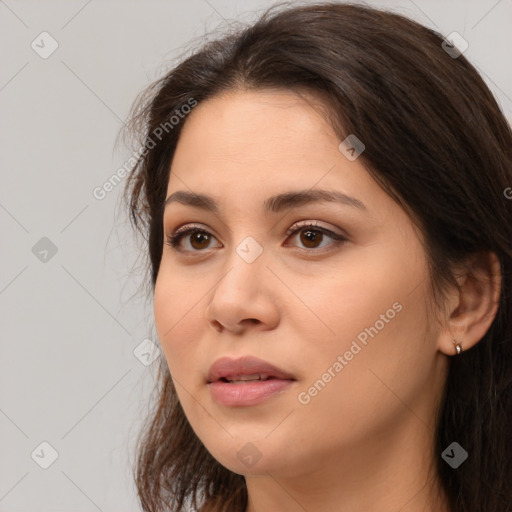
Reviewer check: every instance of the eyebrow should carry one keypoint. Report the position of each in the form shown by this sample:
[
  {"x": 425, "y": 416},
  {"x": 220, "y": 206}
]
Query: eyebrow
[{"x": 274, "y": 204}]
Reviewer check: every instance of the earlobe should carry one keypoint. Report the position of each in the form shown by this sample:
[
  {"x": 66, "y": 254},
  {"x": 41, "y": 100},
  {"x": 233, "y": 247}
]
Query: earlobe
[{"x": 472, "y": 311}]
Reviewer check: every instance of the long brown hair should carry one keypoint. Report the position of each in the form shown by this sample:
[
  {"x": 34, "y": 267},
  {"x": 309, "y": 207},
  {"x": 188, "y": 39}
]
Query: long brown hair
[{"x": 435, "y": 140}]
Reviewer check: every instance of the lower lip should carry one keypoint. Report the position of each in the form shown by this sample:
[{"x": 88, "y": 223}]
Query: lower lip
[{"x": 246, "y": 393}]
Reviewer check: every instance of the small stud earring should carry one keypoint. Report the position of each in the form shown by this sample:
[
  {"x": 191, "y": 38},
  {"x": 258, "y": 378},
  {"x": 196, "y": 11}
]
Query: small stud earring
[{"x": 458, "y": 347}]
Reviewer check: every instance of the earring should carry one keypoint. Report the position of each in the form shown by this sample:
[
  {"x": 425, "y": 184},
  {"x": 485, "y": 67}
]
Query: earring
[{"x": 458, "y": 347}]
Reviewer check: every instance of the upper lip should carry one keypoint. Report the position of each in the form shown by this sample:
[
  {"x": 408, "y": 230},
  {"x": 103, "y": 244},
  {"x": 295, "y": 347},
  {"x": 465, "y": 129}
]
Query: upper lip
[{"x": 226, "y": 367}]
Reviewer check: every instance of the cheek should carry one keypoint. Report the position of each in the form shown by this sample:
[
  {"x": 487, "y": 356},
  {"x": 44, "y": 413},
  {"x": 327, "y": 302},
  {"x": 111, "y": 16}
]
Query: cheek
[
  {"x": 373, "y": 315},
  {"x": 175, "y": 314},
  {"x": 351, "y": 294},
  {"x": 379, "y": 372}
]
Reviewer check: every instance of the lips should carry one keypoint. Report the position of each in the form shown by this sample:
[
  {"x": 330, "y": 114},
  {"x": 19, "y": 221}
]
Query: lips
[{"x": 246, "y": 368}]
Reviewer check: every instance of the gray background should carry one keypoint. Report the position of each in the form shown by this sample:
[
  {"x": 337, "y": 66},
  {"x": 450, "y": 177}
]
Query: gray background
[{"x": 72, "y": 320}]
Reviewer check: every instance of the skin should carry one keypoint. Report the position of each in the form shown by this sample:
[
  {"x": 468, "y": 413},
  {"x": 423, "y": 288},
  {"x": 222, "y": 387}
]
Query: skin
[{"x": 364, "y": 442}]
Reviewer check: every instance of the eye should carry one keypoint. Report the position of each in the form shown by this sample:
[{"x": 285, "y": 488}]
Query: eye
[
  {"x": 313, "y": 234},
  {"x": 201, "y": 238}
]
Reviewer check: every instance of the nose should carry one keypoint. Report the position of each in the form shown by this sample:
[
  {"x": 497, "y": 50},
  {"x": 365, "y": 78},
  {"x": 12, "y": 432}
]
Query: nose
[{"x": 244, "y": 296}]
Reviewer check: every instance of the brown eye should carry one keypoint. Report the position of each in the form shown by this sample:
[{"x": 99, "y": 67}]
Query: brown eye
[
  {"x": 311, "y": 235},
  {"x": 198, "y": 239}
]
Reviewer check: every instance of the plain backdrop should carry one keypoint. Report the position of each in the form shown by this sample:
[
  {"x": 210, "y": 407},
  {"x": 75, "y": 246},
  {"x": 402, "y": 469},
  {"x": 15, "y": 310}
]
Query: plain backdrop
[{"x": 75, "y": 376}]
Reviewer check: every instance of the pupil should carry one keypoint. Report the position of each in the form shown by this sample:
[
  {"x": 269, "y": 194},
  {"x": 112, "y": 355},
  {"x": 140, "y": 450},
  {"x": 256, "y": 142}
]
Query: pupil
[
  {"x": 199, "y": 238},
  {"x": 310, "y": 236}
]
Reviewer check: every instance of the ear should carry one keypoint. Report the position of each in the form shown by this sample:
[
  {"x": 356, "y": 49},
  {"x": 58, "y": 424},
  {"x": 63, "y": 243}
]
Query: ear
[{"x": 470, "y": 313}]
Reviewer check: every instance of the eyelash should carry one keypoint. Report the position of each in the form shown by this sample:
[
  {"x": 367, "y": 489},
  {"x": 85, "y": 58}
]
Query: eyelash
[{"x": 174, "y": 239}]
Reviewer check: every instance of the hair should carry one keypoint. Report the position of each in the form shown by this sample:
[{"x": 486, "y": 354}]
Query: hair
[{"x": 435, "y": 140}]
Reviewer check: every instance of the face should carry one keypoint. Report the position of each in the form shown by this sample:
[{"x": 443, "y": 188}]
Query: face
[{"x": 340, "y": 305}]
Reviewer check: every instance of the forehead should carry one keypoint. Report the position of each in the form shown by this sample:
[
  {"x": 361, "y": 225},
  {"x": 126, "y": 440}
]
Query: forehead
[
  {"x": 248, "y": 146},
  {"x": 254, "y": 128}
]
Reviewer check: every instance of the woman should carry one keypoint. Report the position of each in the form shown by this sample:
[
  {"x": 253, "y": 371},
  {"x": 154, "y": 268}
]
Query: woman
[{"x": 330, "y": 242}]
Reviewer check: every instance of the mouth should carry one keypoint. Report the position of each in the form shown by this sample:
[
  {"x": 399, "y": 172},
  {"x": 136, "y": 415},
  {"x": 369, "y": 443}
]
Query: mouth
[
  {"x": 240, "y": 393},
  {"x": 247, "y": 378},
  {"x": 246, "y": 381},
  {"x": 245, "y": 369}
]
